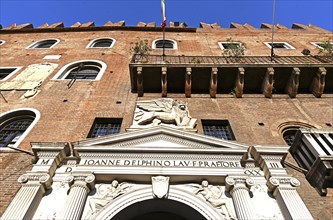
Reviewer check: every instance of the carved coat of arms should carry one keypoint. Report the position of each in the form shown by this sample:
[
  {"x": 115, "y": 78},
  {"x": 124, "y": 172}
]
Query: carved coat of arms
[{"x": 160, "y": 186}]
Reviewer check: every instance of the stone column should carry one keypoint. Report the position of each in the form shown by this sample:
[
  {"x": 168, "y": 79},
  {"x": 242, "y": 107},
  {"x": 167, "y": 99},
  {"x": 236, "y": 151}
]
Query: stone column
[
  {"x": 290, "y": 203},
  {"x": 79, "y": 190},
  {"x": 238, "y": 187},
  {"x": 28, "y": 197}
]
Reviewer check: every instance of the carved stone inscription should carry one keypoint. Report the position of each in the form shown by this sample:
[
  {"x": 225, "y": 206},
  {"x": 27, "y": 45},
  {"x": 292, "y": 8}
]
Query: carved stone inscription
[{"x": 161, "y": 163}]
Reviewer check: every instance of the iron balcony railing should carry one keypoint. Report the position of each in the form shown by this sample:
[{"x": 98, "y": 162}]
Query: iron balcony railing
[{"x": 222, "y": 60}]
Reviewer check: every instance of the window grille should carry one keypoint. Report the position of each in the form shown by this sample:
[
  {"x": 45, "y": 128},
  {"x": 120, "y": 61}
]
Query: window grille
[
  {"x": 218, "y": 128},
  {"x": 105, "y": 126},
  {"x": 44, "y": 44},
  {"x": 12, "y": 130}
]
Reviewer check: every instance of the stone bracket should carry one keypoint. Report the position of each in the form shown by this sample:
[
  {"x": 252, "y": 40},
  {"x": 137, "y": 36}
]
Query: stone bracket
[
  {"x": 240, "y": 82},
  {"x": 318, "y": 82},
  {"x": 188, "y": 82},
  {"x": 164, "y": 82},
  {"x": 293, "y": 83},
  {"x": 139, "y": 81},
  {"x": 267, "y": 86},
  {"x": 213, "y": 82}
]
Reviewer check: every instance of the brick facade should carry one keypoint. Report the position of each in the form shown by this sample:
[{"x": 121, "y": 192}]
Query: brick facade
[{"x": 68, "y": 113}]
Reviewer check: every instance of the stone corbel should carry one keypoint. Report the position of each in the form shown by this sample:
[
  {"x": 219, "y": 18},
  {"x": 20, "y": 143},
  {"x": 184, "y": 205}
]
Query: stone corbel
[
  {"x": 293, "y": 83},
  {"x": 318, "y": 82},
  {"x": 139, "y": 81},
  {"x": 164, "y": 82},
  {"x": 267, "y": 86},
  {"x": 240, "y": 82},
  {"x": 160, "y": 186},
  {"x": 188, "y": 82},
  {"x": 289, "y": 201},
  {"x": 213, "y": 83}
]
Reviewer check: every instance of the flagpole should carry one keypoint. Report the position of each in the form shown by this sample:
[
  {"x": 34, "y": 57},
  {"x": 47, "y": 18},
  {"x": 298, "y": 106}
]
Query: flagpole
[
  {"x": 273, "y": 21},
  {"x": 163, "y": 55},
  {"x": 163, "y": 25}
]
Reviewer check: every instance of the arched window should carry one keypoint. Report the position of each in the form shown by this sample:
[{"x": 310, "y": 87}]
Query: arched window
[
  {"x": 289, "y": 129},
  {"x": 82, "y": 70},
  {"x": 102, "y": 43},
  {"x": 289, "y": 135},
  {"x": 2, "y": 42},
  {"x": 44, "y": 44},
  {"x": 168, "y": 44},
  {"x": 15, "y": 125}
]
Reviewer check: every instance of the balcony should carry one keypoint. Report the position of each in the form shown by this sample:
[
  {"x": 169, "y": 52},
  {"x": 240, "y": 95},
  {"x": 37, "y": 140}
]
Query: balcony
[{"x": 218, "y": 75}]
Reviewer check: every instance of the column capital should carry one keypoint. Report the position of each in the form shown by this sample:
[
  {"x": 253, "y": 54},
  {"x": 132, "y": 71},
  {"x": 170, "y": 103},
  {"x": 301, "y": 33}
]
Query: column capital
[
  {"x": 238, "y": 181},
  {"x": 36, "y": 178},
  {"x": 77, "y": 179},
  {"x": 282, "y": 182}
]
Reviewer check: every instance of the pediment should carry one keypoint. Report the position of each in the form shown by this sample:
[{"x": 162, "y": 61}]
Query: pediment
[{"x": 159, "y": 138}]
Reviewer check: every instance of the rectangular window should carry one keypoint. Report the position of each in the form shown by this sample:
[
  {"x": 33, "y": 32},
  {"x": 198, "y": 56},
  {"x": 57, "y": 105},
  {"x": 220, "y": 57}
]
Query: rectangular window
[
  {"x": 218, "y": 128},
  {"x": 230, "y": 45},
  {"x": 322, "y": 45},
  {"x": 280, "y": 45},
  {"x": 6, "y": 72},
  {"x": 105, "y": 126}
]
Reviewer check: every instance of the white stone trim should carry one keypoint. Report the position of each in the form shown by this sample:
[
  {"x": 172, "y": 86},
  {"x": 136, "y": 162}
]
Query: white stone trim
[
  {"x": 175, "y": 46},
  {"x": 288, "y": 46},
  {"x": 63, "y": 72},
  {"x": 101, "y": 38},
  {"x": 316, "y": 44},
  {"x": 2, "y": 42},
  {"x": 16, "y": 112},
  {"x": 17, "y": 68},
  {"x": 32, "y": 46},
  {"x": 191, "y": 200},
  {"x": 225, "y": 42}
]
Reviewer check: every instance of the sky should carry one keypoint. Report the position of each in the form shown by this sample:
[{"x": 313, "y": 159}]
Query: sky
[{"x": 254, "y": 12}]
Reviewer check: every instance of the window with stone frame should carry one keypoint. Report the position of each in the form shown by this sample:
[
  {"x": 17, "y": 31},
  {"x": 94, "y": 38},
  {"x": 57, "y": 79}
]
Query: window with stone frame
[
  {"x": 168, "y": 44},
  {"x": 218, "y": 128},
  {"x": 15, "y": 125},
  {"x": 81, "y": 70},
  {"x": 7, "y": 72},
  {"x": 229, "y": 45},
  {"x": 279, "y": 45},
  {"x": 101, "y": 43},
  {"x": 105, "y": 126},
  {"x": 44, "y": 44}
]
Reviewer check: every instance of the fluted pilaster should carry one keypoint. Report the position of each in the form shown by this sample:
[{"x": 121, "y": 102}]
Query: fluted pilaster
[
  {"x": 28, "y": 197},
  {"x": 239, "y": 190},
  {"x": 289, "y": 201},
  {"x": 79, "y": 190}
]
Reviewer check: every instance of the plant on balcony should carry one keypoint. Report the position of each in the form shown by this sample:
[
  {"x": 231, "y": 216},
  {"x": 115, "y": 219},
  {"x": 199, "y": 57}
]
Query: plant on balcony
[
  {"x": 326, "y": 48},
  {"x": 233, "y": 50},
  {"x": 141, "y": 50}
]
